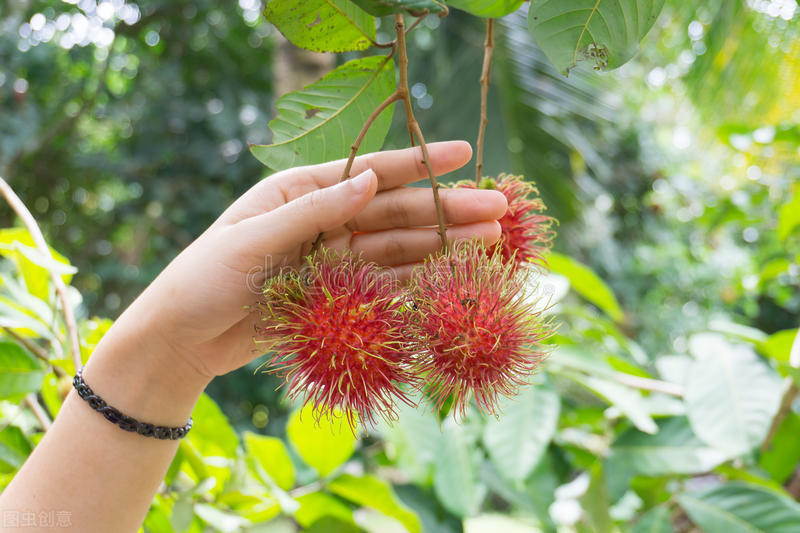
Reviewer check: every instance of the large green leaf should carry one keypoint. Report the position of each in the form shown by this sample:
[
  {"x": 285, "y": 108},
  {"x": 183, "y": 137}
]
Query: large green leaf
[
  {"x": 742, "y": 507},
  {"x": 487, "y": 9},
  {"x": 596, "y": 503},
  {"x": 789, "y": 217},
  {"x": 316, "y": 505},
  {"x": 783, "y": 453},
  {"x": 414, "y": 440},
  {"x": 322, "y": 25},
  {"x": 605, "y": 32},
  {"x": 656, "y": 520},
  {"x": 673, "y": 450},
  {"x": 20, "y": 373},
  {"x": 369, "y": 491},
  {"x": 629, "y": 401},
  {"x": 323, "y": 442},
  {"x": 381, "y": 8},
  {"x": 14, "y": 448},
  {"x": 518, "y": 438},
  {"x": 731, "y": 395},
  {"x": 586, "y": 283},
  {"x": 17, "y": 244},
  {"x": 271, "y": 454},
  {"x": 321, "y": 122},
  {"x": 778, "y": 346},
  {"x": 455, "y": 481},
  {"x": 212, "y": 435}
]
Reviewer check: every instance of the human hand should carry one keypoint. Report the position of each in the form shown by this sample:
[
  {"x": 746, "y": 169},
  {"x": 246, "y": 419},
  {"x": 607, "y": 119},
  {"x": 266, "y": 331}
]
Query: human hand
[{"x": 194, "y": 314}]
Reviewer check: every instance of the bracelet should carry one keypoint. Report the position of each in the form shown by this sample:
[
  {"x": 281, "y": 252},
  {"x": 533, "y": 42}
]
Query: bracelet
[{"x": 126, "y": 423}]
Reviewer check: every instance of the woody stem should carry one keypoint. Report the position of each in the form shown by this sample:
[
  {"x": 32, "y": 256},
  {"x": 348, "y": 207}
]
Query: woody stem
[
  {"x": 413, "y": 126},
  {"x": 486, "y": 71}
]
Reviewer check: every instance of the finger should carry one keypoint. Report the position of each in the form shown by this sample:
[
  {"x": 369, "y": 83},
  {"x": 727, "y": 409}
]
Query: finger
[
  {"x": 399, "y": 246},
  {"x": 403, "y": 272},
  {"x": 408, "y": 207},
  {"x": 393, "y": 167},
  {"x": 302, "y": 219}
]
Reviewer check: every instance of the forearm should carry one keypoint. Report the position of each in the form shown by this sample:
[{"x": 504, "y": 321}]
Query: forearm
[{"x": 104, "y": 477}]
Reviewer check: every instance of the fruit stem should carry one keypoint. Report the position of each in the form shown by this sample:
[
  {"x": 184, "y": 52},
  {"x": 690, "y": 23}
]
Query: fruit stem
[
  {"x": 486, "y": 71},
  {"x": 414, "y": 131}
]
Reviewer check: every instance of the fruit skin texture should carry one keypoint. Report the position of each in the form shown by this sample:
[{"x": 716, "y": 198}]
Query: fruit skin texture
[
  {"x": 338, "y": 334},
  {"x": 527, "y": 233},
  {"x": 476, "y": 331}
]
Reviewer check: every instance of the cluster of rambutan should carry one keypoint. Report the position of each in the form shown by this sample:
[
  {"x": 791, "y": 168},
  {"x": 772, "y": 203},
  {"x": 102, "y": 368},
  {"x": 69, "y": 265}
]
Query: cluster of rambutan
[{"x": 347, "y": 336}]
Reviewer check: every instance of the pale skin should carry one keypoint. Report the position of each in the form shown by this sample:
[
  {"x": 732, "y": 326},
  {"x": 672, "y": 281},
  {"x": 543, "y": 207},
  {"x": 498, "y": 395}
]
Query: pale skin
[{"x": 191, "y": 323}]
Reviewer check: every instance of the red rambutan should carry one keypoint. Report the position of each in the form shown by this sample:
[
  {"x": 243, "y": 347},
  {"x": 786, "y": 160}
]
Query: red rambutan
[
  {"x": 526, "y": 232},
  {"x": 476, "y": 330},
  {"x": 337, "y": 333}
]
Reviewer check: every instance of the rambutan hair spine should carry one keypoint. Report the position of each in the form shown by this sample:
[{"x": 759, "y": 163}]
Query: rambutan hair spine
[
  {"x": 337, "y": 333},
  {"x": 478, "y": 332},
  {"x": 527, "y": 233}
]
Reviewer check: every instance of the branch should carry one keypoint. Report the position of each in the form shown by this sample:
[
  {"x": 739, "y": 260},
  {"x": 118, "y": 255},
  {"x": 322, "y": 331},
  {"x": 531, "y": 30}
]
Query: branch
[
  {"x": 38, "y": 239},
  {"x": 413, "y": 126},
  {"x": 652, "y": 385},
  {"x": 789, "y": 395},
  {"x": 486, "y": 72},
  {"x": 38, "y": 411},
  {"x": 36, "y": 350}
]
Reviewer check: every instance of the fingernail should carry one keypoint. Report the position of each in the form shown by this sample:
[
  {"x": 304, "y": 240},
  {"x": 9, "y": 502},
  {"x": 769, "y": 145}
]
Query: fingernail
[{"x": 361, "y": 183}]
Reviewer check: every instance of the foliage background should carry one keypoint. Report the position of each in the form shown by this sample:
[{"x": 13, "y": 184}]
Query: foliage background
[{"x": 124, "y": 128}]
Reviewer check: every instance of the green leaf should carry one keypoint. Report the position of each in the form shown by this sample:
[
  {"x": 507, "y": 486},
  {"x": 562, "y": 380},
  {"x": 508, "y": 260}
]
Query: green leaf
[
  {"x": 20, "y": 373},
  {"x": 330, "y": 524},
  {"x": 587, "y": 284},
  {"x": 789, "y": 217},
  {"x": 778, "y": 346},
  {"x": 271, "y": 454},
  {"x": 322, "y": 25},
  {"x": 518, "y": 438},
  {"x": 626, "y": 399},
  {"x": 605, "y": 32},
  {"x": 212, "y": 434},
  {"x": 783, "y": 454},
  {"x": 323, "y": 443},
  {"x": 487, "y": 9},
  {"x": 381, "y": 8},
  {"x": 321, "y": 122},
  {"x": 742, "y": 507},
  {"x": 222, "y": 521},
  {"x": 414, "y": 439},
  {"x": 316, "y": 505},
  {"x": 657, "y": 520},
  {"x": 14, "y": 243},
  {"x": 14, "y": 449},
  {"x": 369, "y": 491},
  {"x": 731, "y": 395},
  {"x": 455, "y": 480},
  {"x": 595, "y": 501},
  {"x": 674, "y": 449}
]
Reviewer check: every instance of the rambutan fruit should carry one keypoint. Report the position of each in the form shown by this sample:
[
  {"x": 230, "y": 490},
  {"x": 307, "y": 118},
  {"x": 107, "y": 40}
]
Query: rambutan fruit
[
  {"x": 527, "y": 232},
  {"x": 477, "y": 331},
  {"x": 337, "y": 333}
]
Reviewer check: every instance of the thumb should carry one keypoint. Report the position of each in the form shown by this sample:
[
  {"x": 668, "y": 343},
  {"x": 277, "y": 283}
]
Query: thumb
[{"x": 304, "y": 218}]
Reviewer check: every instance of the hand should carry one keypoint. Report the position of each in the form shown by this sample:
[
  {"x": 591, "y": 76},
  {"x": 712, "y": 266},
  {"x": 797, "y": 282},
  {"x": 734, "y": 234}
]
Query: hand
[{"x": 194, "y": 314}]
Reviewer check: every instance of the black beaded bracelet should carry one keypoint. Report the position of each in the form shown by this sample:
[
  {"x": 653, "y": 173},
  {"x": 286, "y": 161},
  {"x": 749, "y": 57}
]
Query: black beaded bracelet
[{"x": 127, "y": 423}]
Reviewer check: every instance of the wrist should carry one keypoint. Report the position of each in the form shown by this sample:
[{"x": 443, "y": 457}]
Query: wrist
[{"x": 142, "y": 377}]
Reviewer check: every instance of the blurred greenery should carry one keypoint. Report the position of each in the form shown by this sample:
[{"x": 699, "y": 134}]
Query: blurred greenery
[{"x": 124, "y": 127}]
